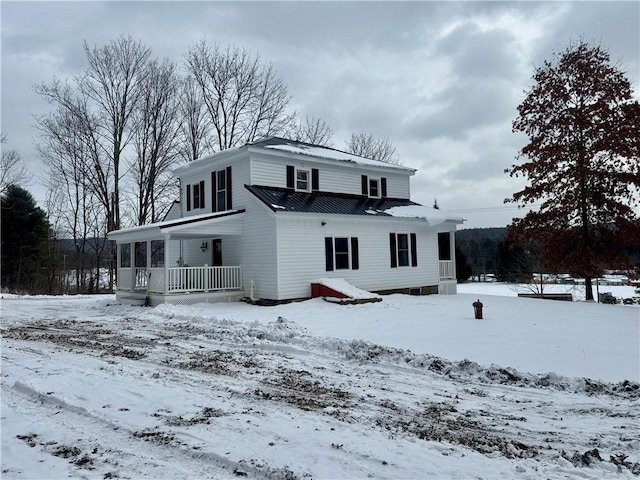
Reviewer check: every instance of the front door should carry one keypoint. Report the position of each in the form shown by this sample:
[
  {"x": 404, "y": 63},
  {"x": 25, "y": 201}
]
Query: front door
[{"x": 217, "y": 252}]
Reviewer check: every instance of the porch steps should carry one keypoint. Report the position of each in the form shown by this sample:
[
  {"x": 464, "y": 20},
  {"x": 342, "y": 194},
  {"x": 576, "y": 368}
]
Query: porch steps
[{"x": 338, "y": 290}]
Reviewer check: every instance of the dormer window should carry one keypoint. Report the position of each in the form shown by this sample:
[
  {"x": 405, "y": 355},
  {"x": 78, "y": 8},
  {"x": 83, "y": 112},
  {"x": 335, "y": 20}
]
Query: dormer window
[
  {"x": 374, "y": 187},
  {"x": 302, "y": 180}
]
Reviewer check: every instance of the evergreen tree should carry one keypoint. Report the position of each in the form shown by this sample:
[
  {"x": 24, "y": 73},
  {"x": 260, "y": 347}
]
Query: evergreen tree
[
  {"x": 25, "y": 240},
  {"x": 582, "y": 161}
]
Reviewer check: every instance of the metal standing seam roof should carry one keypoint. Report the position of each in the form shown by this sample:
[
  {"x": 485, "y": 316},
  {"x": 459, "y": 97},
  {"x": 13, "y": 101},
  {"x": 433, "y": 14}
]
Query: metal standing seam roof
[{"x": 287, "y": 200}]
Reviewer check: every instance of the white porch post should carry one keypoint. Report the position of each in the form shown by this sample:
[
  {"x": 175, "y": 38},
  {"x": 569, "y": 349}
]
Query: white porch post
[
  {"x": 132, "y": 265},
  {"x": 452, "y": 249},
  {"x": 148, "y": 264},
  {"x": 166, "y": 264},
  {"x": 118, "y": 254}
]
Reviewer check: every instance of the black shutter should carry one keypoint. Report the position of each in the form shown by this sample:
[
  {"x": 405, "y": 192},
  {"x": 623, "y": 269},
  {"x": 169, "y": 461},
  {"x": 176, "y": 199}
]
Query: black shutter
[
  {"x": 290, "y": 176},
  {"x": 383, "y": 187},
  {"x": 414, "y": 251},
  {"x": 201, "y": 194},
  {"x": 355, "y": 262},
  {"x": 315, "y": 180},
  {"x": 365, "y": 185},
  {"x": 228, "y": 185},
  {"x": 393, "y": 250},
  {"x": 188, "y": 197},
  {"x": 328, "y": 253},
  {"x": 214, "y": 192}
]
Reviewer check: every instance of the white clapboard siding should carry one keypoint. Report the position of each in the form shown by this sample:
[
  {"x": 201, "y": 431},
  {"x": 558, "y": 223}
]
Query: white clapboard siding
[
  {"x": 302, "y": 261},
  {"x": 259, "y": 252},
  {"x": 339, "y": 177}
]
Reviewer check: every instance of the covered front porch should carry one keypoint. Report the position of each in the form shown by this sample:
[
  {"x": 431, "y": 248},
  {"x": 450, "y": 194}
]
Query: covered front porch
[
  {"x": 448, "y": 283},
  {"x": 190, "y": 260}
]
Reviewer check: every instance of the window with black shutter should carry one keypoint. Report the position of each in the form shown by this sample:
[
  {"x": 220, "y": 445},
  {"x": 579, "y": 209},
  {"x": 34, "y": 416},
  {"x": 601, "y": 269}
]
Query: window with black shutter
[
  {"x": 403, "y": 250},
  {"x": 221, "y": 190},
  {"x": 341, "y": 253}
]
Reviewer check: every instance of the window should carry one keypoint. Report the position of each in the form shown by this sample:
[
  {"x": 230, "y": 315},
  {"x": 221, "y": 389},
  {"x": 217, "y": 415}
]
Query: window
[
  {"x": 125, "y": 255},
  {"x": 141, "y": 254},
  {"x": 403, "y": 250},
  {"x": 341, "y": 253},
  {"x": 374, "y": 187},
  {"x": 195, "y": 195},
  {"x": 221, "y": 190},
  {"x": 157, "y": 253},
  {"x": 444, "y": 246},
  {"x": 302, "y": 180},
  {"x": 341, "y": 246}
]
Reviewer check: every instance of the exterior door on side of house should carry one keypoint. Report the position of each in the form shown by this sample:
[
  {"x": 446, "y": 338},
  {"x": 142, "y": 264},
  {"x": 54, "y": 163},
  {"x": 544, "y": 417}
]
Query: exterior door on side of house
[{"x": 217, "y": 252}]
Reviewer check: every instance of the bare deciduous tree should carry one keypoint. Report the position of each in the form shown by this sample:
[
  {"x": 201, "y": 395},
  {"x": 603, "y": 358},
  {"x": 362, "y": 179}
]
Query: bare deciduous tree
[
  {"x": 194, "y": 125},
  {"x": 155, "y": 140},
  {"x": 312, "y": 130},
  {"x": 114, "y": 82},
  {"x": 366, "y": 145},
  {"x": 12, "y": 170},
  {"x": 72, "y": 204},
  {"x": 103, "y": 100},
  {"x": 244, "y": 99}
]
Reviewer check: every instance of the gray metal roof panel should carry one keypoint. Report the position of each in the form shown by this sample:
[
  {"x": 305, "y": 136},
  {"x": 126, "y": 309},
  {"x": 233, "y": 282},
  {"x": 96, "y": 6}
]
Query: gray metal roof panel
[{"x": 288, "y": 200}]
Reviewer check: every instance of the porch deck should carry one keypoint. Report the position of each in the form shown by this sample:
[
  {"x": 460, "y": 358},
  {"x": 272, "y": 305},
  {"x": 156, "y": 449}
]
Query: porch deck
[{"x": 180, "y": 285}]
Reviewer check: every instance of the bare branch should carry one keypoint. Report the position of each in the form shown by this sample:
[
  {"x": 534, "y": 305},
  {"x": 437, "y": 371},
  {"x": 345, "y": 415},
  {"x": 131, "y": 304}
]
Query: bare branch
[
  {"x": 12, "y": 170},
  {"x": 366, "y": 145}
]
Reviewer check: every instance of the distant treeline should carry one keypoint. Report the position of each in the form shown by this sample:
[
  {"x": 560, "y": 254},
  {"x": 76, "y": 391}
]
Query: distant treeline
[{"x": 487, "y": 251}]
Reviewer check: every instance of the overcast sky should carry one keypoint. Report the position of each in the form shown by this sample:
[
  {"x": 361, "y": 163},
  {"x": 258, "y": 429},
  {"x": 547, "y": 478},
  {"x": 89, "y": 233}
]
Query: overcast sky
[{"x": 441, "y": 80}]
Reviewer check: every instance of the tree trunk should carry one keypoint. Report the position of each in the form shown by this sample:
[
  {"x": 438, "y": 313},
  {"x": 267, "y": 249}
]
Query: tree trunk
[{"x": 588, "y": 289}]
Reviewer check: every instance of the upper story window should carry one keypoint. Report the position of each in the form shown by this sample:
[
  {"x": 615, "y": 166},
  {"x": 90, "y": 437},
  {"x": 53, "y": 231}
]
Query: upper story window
[
  {"x": 221, "y": 190},
  {"x": 195, "y": 196},
  {"x": 303, "y": 180},
  {"x": 374, "y": 187}
]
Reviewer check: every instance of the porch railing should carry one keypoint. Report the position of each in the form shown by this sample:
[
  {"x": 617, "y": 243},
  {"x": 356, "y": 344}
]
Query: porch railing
[
  {"x": 447, "y": 269},
  {"x": 181, "y": 279},
  {"x": 204, "y": 279}
]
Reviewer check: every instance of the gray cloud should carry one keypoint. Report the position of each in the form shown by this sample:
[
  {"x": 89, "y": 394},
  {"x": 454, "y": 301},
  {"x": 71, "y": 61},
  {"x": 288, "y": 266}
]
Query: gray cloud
[{"x": 440, "y": 79}]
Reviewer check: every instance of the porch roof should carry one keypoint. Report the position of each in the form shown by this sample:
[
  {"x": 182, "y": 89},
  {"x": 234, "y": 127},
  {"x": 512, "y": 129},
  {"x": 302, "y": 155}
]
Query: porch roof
[{"x": 228, "y": 222}]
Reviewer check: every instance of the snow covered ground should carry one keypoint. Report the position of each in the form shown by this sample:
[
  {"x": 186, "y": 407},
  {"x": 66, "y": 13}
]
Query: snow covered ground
[{"x": 409, "y": 387}]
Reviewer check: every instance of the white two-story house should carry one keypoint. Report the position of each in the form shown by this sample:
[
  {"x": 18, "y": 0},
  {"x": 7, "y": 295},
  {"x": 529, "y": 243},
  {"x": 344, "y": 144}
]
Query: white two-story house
[{"x": 268, "y": 219}]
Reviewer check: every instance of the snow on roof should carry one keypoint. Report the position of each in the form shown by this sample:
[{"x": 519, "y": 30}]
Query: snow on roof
[
  {"x": 323, "y": 152},
  {"x": 342, "y": 286},
  {"x": 433, "y": 216}
]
